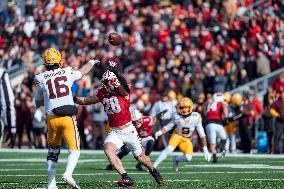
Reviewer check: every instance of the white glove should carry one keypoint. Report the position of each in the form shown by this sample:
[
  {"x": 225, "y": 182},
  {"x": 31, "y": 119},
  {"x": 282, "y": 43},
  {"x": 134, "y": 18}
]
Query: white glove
[
  {"x": 93, "y": 62},
  {"x": 157, "y": 134},
  {"x": 112, "y": 63},
  {"x": 207, "y": 155}
]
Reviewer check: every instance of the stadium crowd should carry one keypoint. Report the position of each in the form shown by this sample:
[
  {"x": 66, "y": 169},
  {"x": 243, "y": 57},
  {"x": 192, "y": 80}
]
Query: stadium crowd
[{"x": 194, "y": 48}]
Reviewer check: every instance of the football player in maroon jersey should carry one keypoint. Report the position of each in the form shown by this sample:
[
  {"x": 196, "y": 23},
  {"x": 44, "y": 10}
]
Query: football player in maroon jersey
[
  {"x": 216, "y": 114},
  {"x": 144, "y": 126},
  {"x": 114, "y": 95}
]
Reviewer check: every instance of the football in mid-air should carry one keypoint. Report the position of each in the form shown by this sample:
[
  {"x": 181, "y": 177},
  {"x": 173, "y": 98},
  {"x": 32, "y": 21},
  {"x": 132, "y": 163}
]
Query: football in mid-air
[{"x": 114, "y": 39}]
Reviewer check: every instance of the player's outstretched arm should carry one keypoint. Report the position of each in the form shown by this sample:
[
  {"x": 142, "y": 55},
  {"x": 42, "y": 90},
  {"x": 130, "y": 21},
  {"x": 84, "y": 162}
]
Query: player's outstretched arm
[
  {"x": 86, "y": 100},
  {"x": 88, "y": 67},
  {"x": 164, "y": 130}
]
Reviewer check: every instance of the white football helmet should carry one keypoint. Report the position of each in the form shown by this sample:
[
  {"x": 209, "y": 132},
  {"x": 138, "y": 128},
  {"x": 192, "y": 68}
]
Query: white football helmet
[
  {"x": 110, "y": 81},
  {"x": 218, "y": 97},
  {"x": 136, "y": 117}
]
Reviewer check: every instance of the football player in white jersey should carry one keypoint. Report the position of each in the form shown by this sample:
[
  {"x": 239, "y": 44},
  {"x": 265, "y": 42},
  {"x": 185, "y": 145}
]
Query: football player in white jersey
[
  {"x": 186, "y": 123},
  {"x": 54, "y": 92}
]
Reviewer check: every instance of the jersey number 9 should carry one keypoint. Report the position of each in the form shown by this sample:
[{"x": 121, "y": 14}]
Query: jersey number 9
[{"x": 185, "y": 130}]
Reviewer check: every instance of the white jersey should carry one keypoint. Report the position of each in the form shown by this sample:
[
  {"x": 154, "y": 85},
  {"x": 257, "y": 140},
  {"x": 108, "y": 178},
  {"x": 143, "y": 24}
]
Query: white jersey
[
  {"x": 185, "y": 126},
  {"x": 54, "y": 87},
  {"x": 160, "y": 106}
]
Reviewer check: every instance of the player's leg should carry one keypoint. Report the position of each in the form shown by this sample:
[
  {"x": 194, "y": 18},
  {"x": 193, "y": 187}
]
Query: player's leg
[
  {"x": 221, "y": 132},
  {"x": 72, "y": 139},
  {"x": 112, "y": 143},
  {"x": 131, "y": 139},
  {"x": 148, "y": 144},
  {"x": 54, "y": 142},
  {"x": 186, "y": 148},
  {"x": 212, "y": 138},
  {"x": 123, "y": 152},
  {"x": 173, "y": 143}
]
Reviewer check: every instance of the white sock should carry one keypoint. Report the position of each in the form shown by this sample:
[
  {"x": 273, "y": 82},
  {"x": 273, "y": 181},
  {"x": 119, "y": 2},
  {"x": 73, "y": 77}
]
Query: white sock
[
  {"x": 185, "y": 157},
  {"x": 164, "y": 154},
  {"x": 72, "y": 162},
  {"x": 51, "y": 170}
]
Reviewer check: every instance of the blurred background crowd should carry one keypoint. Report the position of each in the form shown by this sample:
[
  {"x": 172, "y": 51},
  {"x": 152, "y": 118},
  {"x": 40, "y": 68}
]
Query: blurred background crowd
[{"x": 170, "y": 48}]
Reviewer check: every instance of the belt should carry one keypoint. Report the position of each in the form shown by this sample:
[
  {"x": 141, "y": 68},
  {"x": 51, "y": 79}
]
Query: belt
[{"x": 122, "y": 127}]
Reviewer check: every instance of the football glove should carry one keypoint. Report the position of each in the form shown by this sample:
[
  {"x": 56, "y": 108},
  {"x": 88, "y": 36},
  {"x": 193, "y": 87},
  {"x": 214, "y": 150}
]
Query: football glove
[
  {"x": 158, "y": 134},
  {"x": 207, "y": 155}
]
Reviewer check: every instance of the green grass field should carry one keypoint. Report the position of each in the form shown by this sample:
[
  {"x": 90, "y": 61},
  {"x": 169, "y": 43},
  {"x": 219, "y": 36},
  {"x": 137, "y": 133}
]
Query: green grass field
[{"x": 27, "y": 169}]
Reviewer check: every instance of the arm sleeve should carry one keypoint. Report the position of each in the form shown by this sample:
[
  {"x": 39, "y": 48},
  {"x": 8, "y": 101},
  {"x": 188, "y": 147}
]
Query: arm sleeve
[
  {"x": 9, "y": 100},
  {"x": 199, "y": 127},
  {"x": 169, "y": 126},
  {"x": 75, "y": 74},
  {"x": 122, "y": 80}
]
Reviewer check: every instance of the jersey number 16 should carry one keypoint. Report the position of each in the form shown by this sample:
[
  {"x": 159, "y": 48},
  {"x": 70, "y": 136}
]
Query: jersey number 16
[{"x": 60, "y": 88}]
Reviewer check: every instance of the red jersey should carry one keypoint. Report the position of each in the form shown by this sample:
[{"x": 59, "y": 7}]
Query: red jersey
[
  {"x": 146, "y": 129},
  {"x": 116, "y": 107},
  {"x": 214, "y": 112}
]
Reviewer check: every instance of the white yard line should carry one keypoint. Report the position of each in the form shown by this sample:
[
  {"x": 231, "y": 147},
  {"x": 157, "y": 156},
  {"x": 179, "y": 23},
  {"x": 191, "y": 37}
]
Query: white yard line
[
  {"x": 99, "y": 152},
  {"x": 237, "y": 166},
  {"x": 143, "y": 173},
  {"x": 262, "y": 179}
]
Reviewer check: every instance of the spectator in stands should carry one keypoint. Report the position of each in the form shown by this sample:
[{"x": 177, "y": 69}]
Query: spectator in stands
[
  {"x": 278, "y": 86},
  {"x": 277, "y": 110}
]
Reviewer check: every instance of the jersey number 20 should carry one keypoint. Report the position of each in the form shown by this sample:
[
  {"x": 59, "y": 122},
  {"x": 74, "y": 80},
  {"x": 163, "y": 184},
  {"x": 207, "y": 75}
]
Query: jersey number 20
[
  {"x": 58, "y": 87},
  {"x": 111, "y": 105}
]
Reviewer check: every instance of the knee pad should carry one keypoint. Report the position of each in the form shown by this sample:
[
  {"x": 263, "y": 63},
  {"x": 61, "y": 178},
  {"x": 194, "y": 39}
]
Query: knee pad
[
  {"x": 125, "y": 149},
  {"x": 188, "y": 157},
  {"x": 53, "y": 153}
]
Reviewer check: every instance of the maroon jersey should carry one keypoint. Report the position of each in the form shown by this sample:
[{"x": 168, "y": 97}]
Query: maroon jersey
[
  {"x": 214, "y": 112},
  {"x": 116, "y": 107},
  {"x": 146, "y": 129}
]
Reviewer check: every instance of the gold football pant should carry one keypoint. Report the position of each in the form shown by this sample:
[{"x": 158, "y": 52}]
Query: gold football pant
[
  {"x": 63, "y": 126},
  {"x": 184, "y": 144}
]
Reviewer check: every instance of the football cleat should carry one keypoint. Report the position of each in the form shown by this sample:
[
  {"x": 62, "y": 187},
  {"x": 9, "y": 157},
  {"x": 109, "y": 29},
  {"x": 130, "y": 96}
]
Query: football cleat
[
  {"x": 159, "y": 179},
  {"x": 175, "y": 163},
  {"x": 125, "y": 182},
  {"x": 215, "y": 159},
  {"x": 139, "y": 167},
  {"x": 70, "y": 181}
]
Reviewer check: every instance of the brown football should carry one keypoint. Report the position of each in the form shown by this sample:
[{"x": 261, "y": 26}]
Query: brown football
[{"x": 114, "y": 39}]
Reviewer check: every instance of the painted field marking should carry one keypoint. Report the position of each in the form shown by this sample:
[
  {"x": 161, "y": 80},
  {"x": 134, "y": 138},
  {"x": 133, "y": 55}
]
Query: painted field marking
[{"x": 99, "y": 152}]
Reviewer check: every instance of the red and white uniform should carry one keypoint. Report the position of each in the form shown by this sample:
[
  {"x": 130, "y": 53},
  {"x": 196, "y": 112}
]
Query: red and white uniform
[
  {"x": 121, "y": 129},
  {"x": 214, "y": 112},
  {"x": 214, "y": 127},
  {"x": 116, "y": 107},
  {"x": 146, "y": 130}
]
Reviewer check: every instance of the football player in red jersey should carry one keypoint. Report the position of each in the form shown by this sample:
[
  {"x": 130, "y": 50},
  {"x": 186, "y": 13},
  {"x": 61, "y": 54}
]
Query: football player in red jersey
[
  {"x": 144, "y": 126},
  {"x": 114, "y": 95},
  {"x": 216, "y": 115}
]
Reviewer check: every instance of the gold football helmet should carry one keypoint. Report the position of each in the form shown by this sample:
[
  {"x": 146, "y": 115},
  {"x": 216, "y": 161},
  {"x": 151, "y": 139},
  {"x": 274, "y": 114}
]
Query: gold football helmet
[
  {"x": 185, "y": 106},
  {"x": 52, "y": 56},
  {"x": 227, "y": 96},
  {"x": 237, "y": 99}
]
